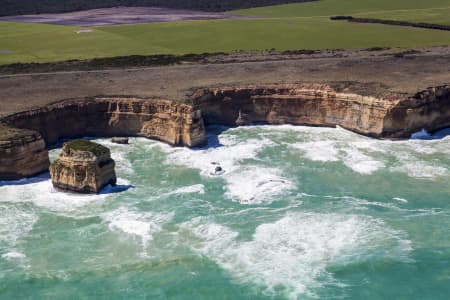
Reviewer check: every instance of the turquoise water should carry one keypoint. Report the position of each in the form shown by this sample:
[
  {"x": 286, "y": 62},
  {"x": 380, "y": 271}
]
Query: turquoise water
[{"x": 300, "y": 213}]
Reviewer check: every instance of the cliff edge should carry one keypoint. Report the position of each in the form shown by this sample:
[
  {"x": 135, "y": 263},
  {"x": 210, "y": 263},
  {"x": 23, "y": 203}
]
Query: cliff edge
[{"x": 389, "y": 115}]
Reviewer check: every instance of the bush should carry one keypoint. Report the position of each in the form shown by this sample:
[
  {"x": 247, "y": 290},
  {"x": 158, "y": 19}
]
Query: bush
[{"x": 84, "y": 145}]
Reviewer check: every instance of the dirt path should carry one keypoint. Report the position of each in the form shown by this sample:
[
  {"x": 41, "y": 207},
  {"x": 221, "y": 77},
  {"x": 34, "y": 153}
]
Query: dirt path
[{"x": 373, "y": 75}]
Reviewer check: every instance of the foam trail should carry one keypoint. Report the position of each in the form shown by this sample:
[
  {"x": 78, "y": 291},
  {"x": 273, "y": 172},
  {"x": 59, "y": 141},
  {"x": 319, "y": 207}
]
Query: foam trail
[
  {"x": 291, "y": 255},
  {"x": 400, "y": 199},
  {"x": 420, "y": 169},
  {"x": 256, "y": 185},
  {"x": 192, "y": 189},
  {"x": 318, "y": 151},
  {"x": 143, "y": 225},
  {"x": 15, "y": 224},
  {"x": 12, "y": 255},
  {"x": 361, "y": 163}
]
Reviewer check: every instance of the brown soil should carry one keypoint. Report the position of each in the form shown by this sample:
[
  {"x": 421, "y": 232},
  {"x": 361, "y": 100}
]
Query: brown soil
[
  {"x": 366, "y": 72},
  {"x": 118, "y": 15}
]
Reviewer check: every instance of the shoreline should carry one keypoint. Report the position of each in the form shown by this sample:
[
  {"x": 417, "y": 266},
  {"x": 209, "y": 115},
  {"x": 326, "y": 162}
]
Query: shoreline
[{"x": 393, "y": 116}]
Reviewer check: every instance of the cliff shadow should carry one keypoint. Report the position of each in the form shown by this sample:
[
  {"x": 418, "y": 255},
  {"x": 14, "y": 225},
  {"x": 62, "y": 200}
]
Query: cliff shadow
[
  {"x": 24, "y": 181},
  {"x": 118, "y": 188},
  {"x": 436, "y": 135},
  {"x": 213, "y": 131},
  {"x": 212, "y": 137}
]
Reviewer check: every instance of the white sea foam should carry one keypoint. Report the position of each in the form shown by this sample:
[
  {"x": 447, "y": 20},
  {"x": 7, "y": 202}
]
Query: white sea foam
[
  {"x": 40, "y": 191},
  {"x": 318, "y": 151},
  {"x": 400, "y": 199},
  {"x": 196, "y": 188},
  {"x": 246, "y": 184},
  {"x": 291, "y": 255},
  {"x": 361, "y": 163},
  {"x": 12, "y": 255},
  {"x": 256, "y": 185},
  {"x": 43, "y": 194},
  {"x": 143, "y": 225},
  {"x": 420, "y": 169},
  {"x": 15, "y": 224},
  {"x": 348, "y": 153},
  {"x": 366, "y": 156},
  {"x": 229, "y": 155}
]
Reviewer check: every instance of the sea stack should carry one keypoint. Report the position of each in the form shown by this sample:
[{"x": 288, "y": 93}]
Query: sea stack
[
  {"x": 22, "y": 153},
  {"x": 83, "y": 167}
]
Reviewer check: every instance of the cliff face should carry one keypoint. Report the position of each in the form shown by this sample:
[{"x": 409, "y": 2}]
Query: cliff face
[
  {"x": 165, "y": 120},
  {"x": 429, "y": 109},
  {"x": 22, "y": 156},
  {"x": 390, "y": 116},
  {"x": 171, "y": 122},
  {"x": 82, "y": 171}
]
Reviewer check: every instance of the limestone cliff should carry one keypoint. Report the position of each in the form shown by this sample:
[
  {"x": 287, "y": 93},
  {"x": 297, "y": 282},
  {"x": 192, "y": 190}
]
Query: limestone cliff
[
  {"x": 428, "y": 109},
  {"x": 392, "y": 115},
  {"x": 83, "y": 167},
  {"x": 22, "y": 153},
  {"x": 174, "y": 123}
]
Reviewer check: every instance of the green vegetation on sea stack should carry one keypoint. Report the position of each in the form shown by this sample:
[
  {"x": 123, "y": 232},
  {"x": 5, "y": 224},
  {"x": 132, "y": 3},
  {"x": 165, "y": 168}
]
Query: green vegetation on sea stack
[
  {"x": 283, "y": 27},
  {"x": 84, "y": 145}
]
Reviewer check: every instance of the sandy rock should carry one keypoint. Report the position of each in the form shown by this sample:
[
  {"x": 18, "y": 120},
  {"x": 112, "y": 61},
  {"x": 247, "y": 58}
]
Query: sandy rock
[
  {"x": 169, "y": 121},
  {"x": 83, "y": 167},
  {"x": 393, "y": 115},
  {"x": 22, "y": 155},
  {"x": 120, "y": 140}
]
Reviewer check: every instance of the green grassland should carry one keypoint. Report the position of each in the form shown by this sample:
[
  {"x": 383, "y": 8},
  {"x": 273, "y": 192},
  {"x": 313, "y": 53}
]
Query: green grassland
[
  {"x": 431, "y": 11},
  {"x": 343, "y": 7},
  {"x": 283, "y": 27}
]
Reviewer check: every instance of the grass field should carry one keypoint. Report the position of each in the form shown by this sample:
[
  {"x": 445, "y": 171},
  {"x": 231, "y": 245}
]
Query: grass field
[
  {"x": 295, "y": 26},
  {"x": 344, "y": 7},
  {"x": 432, "y": 11}
]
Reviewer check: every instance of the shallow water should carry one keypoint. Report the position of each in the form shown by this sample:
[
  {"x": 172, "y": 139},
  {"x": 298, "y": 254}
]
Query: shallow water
[{"x": 300, "y": 213}]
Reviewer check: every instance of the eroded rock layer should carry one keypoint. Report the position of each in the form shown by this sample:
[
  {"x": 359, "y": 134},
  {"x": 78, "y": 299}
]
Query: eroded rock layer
[
  {"x": 83, "y": 170},
  {"x": 171, "y": 122},
  {"x": 22, "y": 153},
  {"x": 388, "y": 116},
  {"x": 391, "y": 115}
]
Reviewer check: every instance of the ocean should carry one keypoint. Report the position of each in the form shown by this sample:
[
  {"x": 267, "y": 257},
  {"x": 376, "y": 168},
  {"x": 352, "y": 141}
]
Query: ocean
[{"x": 299, "y": 213}]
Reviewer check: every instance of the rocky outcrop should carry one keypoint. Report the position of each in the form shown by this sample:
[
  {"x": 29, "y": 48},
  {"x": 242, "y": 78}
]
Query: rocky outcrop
[
  {"x": 22, "y": 153},
  {"x": 387, "y": 116},
  {"x": 120, "y": 140},
  {"x": 83, "y": 167}
]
